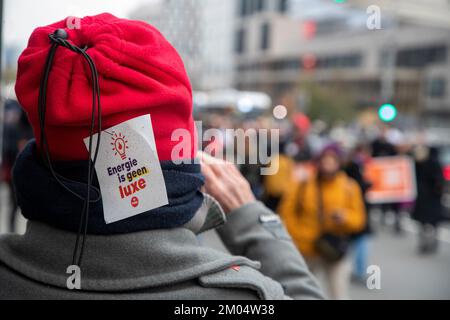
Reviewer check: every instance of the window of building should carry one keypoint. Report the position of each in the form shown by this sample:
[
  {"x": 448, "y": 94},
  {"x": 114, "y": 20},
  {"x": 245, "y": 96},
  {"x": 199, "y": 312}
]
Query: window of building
[
  {"x": 285, "y": 65},
  {"x": 265, "y": 36},
  {"x": 240, "y": 41},
  {"x": 244, "y": 7},
  {"x": 260, "y": 5},
  {"x": 249, "y": 7},
  {"x": 436, "y": 87},
  {"x": 325, "y": 62},
  {"x": 282, "y": 6},
  {"x": 420, "y": 57},
  {"x": 351, "y": 61},
  {"x": 344, "y": 61}
]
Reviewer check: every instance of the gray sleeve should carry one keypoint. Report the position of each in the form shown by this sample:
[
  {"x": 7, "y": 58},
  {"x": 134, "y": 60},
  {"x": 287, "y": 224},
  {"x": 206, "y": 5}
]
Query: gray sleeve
[{"x": 257, "y": 233}]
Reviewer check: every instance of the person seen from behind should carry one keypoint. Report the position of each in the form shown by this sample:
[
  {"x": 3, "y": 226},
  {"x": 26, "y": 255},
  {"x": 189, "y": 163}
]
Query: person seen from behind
[
  {"x": 321, "y": 214},
  {"x": 126, "y": 224},
  {"x": 360, "y": 240},
  {"x": 428, "y": 211}
]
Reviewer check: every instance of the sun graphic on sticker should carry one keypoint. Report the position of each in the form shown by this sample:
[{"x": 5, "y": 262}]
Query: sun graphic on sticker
[{"x": 120, "y": 145}]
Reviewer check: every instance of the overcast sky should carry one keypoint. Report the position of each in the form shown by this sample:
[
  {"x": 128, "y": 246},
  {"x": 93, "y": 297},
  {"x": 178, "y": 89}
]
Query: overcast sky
[{"x": 20, "y": 17}]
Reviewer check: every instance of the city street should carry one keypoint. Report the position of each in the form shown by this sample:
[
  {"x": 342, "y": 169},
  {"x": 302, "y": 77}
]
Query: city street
[{"x": 404, "y": 274}]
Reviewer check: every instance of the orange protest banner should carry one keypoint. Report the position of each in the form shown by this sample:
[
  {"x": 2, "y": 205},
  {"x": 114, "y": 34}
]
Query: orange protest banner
[{"x": 393, "y": 180}]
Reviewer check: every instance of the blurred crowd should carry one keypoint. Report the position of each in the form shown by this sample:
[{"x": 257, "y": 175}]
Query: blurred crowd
[
  {"x": 16, "y": 133},
  {"x": 320, "y": 190}
]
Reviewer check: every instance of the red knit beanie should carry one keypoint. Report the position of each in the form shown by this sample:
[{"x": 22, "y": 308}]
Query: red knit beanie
[{"x": 140, "y": 73}]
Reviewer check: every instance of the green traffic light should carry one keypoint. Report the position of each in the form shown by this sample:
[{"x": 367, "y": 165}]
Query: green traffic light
[{"x": 388, "y": 113}]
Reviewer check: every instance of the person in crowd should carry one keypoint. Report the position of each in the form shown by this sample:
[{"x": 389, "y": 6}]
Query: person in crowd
[
  {"x": 248, "y": 168},
  {"x": 299, "y": 148},
  {"x": 321, "y": 214},
  {"x": 16, "y": 132},
  {"x": 155, "y": 254},
  {"x": 360, "y": 240},
  {"x": 381, "y": 148},
  {"x": 276, "y": 185},
  {"x": 293, "y": 160},
  {"x": 428, "y": 211}
]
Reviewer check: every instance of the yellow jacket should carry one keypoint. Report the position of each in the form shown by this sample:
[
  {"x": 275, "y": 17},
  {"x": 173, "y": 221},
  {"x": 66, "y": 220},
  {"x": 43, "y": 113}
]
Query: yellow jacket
[
  {"x": 300, "y": 210},
  {"x": 278, "y": 183}
]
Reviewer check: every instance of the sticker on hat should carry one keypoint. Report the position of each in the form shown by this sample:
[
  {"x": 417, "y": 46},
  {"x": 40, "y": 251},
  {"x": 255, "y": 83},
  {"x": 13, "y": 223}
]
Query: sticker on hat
[{"x": 129, "y": 171}]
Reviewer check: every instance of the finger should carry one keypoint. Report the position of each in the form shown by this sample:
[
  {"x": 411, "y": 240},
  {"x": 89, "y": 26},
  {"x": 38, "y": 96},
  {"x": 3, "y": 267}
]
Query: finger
[
  {"x": 209, "y": 174},
  {"x": 207, "y": 159}
]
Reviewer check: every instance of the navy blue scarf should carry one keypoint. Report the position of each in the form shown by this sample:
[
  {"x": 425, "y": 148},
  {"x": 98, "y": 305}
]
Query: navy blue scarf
[{"x": 42, "y": 199}]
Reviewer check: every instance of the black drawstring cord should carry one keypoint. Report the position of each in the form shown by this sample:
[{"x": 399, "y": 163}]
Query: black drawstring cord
[
  {"x": 59, "y": 39},
  {"x": 42, "y": 109}
]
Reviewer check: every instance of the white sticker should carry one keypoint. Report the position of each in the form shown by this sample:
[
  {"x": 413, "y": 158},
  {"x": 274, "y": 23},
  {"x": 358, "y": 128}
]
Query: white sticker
[{"x": 128, "y": 170}]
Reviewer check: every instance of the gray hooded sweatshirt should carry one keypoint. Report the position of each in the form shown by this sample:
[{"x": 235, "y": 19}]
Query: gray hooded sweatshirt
[{"x": 161, "y": 264}]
